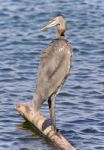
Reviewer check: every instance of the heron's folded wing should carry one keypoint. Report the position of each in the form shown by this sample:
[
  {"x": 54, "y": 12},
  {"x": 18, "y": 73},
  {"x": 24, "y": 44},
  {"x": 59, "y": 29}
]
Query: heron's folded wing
[{"x": 54, "y": 67}]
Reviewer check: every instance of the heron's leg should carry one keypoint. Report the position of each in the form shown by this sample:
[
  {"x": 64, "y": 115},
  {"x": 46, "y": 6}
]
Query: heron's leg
[
  {"x": 51, "y": 103},
  {"x": 37, "y": 102}
]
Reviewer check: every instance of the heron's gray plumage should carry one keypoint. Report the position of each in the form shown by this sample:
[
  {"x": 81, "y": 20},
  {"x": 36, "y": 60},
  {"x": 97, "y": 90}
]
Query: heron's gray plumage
[{"x": 54, "y": 67}]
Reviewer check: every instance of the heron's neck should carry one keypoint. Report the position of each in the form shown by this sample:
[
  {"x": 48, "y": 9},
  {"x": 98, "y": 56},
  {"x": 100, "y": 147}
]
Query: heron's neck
[{"x": 59, "y": 32}]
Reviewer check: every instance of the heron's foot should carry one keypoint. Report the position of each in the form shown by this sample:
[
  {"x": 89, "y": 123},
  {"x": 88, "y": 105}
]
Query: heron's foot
[
  {"x": 53, "y": 128},
  {"x": 56, "y": 131},
  {"x": 35, "y": 113}
]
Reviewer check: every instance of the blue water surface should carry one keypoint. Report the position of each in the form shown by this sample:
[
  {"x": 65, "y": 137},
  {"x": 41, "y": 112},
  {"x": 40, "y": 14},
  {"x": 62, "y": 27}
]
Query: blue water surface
[{"x": 80, "y": 104}]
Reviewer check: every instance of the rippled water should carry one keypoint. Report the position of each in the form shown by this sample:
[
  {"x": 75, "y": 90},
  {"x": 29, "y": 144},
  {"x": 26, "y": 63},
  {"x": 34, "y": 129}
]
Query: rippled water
[{"x": 80, "y": 104}]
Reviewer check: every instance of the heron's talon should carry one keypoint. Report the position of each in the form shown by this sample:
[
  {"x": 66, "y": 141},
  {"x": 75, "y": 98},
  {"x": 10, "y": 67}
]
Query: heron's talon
[{"x": 56, "y": 131}]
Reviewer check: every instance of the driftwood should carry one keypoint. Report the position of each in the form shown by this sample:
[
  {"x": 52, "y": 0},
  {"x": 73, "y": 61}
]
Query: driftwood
[{"x": 43, "y": 125}]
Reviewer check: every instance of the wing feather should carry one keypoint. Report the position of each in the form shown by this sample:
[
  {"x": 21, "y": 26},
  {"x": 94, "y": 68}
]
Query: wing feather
[{"x": 53, "y": 69}]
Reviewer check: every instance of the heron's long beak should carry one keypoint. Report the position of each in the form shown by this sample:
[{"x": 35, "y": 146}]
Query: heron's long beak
[{"x": 51, "y": 23}]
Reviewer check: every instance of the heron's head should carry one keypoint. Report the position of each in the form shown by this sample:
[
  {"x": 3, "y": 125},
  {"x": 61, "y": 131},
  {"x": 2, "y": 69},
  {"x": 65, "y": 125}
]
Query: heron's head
[{"x": 59, "y": 22}]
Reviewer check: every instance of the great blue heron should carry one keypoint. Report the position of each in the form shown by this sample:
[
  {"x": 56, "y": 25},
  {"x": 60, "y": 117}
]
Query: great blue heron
[{"x": 53, "y": 69}]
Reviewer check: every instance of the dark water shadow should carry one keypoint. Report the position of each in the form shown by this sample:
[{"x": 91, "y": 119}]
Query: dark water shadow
[{"x": 34, "y": 132}]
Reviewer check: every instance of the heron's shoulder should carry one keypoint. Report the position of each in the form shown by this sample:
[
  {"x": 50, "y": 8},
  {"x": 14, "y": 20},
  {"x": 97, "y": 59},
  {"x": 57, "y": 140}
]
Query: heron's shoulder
[
  {"x": 59, "y": 42},
  {"x": 55, "y": 45}
]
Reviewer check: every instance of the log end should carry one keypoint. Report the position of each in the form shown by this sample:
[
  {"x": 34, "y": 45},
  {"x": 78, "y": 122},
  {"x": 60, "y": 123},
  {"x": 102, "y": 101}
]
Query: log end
[{"x": 43, "y": 125}]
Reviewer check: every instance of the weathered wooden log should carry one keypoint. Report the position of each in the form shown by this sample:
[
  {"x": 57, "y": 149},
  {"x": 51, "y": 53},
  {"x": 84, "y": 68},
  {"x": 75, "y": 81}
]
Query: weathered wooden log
[{"x": 43, "y": 125}]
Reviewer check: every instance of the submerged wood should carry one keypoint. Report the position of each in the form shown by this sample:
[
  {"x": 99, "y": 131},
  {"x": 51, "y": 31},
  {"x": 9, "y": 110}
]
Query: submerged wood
[{"x": 43, "y": 125}]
